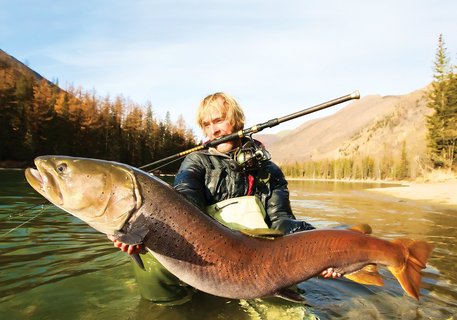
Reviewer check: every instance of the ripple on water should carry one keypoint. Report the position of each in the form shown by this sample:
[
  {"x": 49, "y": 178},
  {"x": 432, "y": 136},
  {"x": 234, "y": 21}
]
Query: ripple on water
[{"x": 56, "y": 266}]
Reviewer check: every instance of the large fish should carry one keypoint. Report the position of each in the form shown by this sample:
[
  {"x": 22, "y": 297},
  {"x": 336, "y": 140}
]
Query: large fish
[{"x": 136, "y": 207}]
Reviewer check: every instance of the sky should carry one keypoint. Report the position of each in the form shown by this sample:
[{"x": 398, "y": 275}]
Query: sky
[{"x": 274, "y": 57}]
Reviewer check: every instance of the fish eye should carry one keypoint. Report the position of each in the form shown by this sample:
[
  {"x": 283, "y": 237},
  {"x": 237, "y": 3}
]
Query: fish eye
[{"x": 61, "y": 167}]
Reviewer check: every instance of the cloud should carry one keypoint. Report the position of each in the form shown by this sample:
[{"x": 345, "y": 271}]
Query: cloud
[{"x": 273, "y": 57}]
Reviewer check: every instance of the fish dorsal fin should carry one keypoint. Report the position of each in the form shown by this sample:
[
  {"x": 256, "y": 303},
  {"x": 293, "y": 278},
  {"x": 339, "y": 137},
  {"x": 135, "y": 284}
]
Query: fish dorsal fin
[
  {"x": 362, "y": 228},
  {"x": 367, "y": 275},
  {"x": 263, "y": 233}
]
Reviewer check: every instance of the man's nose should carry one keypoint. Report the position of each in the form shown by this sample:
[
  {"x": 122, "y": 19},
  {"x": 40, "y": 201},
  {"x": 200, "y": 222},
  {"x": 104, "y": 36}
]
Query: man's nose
[{"x": 214, "y": 129}]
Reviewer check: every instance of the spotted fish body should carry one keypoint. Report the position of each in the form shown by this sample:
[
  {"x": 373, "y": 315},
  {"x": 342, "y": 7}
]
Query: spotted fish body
[{"x": 205, "y": 254}]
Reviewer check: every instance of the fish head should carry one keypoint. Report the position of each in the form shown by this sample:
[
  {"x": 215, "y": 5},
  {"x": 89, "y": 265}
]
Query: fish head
[{"x": 103, "y": 194}]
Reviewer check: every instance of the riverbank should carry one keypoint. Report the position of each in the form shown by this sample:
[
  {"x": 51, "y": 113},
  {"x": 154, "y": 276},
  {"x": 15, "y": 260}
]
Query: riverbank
[
  {"x": 438, "y": 187},
  {"x": 441, "y": 192}
]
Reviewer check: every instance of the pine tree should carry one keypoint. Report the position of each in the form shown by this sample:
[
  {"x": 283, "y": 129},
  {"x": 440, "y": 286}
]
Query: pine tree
[
  {"x": 403, "y": 166},
  {"x": 133, "y": 133},
  {"x": 151, "y": 135},
  {"x": 442, "y": 136},
  {"x": 42, "y": 115}
]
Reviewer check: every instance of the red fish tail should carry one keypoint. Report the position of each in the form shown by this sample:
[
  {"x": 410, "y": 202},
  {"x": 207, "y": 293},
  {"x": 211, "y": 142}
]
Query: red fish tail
[{"x": 409, "y": 272}]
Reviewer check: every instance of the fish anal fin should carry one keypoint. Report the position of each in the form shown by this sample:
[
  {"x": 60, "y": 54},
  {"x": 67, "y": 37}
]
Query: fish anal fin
[
  {"x": 291, "y": 295},
  {"x": 362, "y": 228},
  {"x": 367, "y": 275},
  {"x": 136, "y": 257},
  {"x": 408, "y": 274}
]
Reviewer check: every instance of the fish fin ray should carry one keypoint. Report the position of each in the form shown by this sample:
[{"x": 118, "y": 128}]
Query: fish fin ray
[
  {"x": 408, "y": 274},
  {"x": 367, "y": 275}
]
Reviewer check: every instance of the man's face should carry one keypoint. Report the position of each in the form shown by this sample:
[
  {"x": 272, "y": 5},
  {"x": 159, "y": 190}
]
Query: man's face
[{"x": 215, "y": 125}]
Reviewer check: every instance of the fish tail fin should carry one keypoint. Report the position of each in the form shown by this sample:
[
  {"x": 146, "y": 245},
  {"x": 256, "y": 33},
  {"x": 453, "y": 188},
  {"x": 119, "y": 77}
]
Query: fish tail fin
[
  {"x": 408, "y": 274},
  {"x": 367, "y": 275}
]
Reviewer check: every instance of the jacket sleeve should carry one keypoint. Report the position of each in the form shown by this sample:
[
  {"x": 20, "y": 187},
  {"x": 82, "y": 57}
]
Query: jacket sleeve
[
  {"x": 190, "y": 180},
  {"x": 278, "y": 206}
]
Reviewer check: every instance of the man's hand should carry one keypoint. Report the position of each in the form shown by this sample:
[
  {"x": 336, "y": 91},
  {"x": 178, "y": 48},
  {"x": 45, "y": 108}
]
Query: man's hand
[
  {"x": 130, "y": 249},
  {"x": 330, "y": 273}
]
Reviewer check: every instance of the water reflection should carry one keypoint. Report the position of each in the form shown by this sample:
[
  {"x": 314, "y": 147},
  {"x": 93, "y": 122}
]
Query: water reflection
[
  {"x": 55, "y": 266},
  {"x": 391, "y": 218}
]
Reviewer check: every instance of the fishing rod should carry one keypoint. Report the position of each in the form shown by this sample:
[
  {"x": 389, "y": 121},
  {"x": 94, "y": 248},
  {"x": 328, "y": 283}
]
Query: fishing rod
[{"x": 256, "y": 128}]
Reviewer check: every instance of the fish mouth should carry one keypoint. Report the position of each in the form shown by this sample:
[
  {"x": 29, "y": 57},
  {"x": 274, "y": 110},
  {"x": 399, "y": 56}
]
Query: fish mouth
[
  {"x": 35, "y": 179},
  {"x": 44, "y": 182}
]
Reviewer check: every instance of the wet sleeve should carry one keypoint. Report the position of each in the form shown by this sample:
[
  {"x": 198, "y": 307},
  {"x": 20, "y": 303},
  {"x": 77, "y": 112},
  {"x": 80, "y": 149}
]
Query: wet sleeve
[
  {"x": 190, "y": 180},
  {"x": 278, "y": 205}
]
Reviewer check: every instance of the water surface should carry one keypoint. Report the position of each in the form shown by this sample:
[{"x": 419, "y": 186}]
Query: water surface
[{"x": 57, "y": 267}]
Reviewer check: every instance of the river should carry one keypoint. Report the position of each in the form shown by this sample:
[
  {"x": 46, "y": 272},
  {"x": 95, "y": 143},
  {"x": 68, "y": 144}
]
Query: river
[{"x": 53, "y": 266}]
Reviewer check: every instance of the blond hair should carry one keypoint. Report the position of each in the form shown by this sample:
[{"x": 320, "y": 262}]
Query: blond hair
[{"x": 229, "y": 109}]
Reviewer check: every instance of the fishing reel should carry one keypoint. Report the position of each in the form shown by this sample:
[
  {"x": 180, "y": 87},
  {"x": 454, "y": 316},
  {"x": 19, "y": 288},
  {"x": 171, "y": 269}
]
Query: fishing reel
[{"x": 249, "y": 157}]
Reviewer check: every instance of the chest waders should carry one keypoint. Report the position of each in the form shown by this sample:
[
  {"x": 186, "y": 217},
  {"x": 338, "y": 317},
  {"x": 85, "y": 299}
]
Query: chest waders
[{"x": 158, "y": 285}]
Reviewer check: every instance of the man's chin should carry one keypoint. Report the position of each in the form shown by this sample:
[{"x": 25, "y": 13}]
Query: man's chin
[{"x": 225, "y": 147}]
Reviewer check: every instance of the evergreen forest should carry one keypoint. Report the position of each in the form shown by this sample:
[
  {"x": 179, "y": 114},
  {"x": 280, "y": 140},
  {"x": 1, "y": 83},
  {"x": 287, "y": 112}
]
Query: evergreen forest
[
  {"x": 441, "y": 139},
  {"x": 39, "y": 118}
]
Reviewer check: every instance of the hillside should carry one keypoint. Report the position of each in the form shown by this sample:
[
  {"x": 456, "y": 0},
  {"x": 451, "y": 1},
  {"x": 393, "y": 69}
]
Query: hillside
[
  {"x": 37, "y": 118},
  {"x": 12, "y": 69},
  {"x": 374, "y": 125}
]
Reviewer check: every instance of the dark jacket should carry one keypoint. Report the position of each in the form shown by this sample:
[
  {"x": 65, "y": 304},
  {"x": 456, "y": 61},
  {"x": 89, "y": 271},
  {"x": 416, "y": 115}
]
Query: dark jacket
[{"x": 205, "y": 178}]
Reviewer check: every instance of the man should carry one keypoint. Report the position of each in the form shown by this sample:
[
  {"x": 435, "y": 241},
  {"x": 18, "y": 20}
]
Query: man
[
  {"x": 208, "y": 177},
  {"x": 234, "y": 170}
]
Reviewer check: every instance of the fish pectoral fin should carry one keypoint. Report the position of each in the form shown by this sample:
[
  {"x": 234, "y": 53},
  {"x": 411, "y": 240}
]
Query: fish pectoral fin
[
  {"x": 291, "y": 295},
  {"x": 263, "y": 233},
  {"x": 130, "y": 238},
  {"x": 362, "y": 228},
  {"x": 133, "y": 232},
  {"x": 367, "y": 275},
  {"x": 408, "y": 274}
]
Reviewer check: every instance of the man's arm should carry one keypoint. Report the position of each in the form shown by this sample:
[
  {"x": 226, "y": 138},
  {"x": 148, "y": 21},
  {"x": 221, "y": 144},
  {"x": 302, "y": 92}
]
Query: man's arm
[
  {"x": 278, "y": 205},
  {"x": 190, "y": 180}
]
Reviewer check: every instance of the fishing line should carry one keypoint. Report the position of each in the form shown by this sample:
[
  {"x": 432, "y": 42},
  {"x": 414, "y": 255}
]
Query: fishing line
[
  {"x": 165, "y": 164},
  {"x": 20, "y": 213},
  {"x": 27, "y": 221}
]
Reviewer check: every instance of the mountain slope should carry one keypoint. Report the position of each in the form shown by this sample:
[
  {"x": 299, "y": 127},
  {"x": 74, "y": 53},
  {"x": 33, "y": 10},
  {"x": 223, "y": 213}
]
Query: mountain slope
[
  {"x": 12, "y": 69},
  {"x": 375, "y": 126}
]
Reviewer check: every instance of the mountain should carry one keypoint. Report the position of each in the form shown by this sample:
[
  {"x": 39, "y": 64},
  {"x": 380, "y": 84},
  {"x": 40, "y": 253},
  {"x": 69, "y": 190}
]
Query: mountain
[
  {"x": 37, "y": 117},
  {"x": 12, "y": 69},
  {"x": 375, "y": 126}
]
